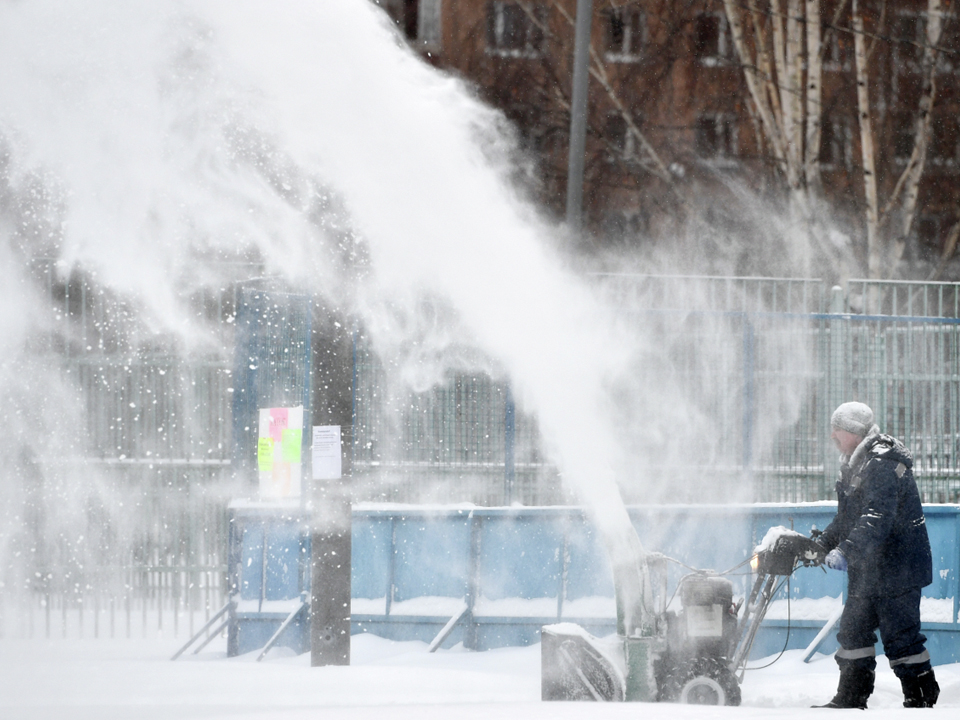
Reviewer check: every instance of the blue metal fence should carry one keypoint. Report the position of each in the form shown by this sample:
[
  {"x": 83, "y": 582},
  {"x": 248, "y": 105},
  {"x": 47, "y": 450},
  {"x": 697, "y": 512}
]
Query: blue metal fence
[
  {"x": 162, "y": 425},
  {"x": 517, "y": 569},
  {"x": 497, "y": 559},
  {"x": 762, "y": 386}
]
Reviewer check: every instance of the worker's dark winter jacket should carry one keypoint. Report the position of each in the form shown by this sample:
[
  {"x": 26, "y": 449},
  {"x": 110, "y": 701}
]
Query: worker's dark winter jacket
[{"x": 879, "y": 526}]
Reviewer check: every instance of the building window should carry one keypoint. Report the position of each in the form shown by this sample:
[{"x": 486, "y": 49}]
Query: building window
[
  {"x": 624, "y": 224},
  {"x": 712, "y": 44},
  {"x": 430, "y": 24},
  {"x": 835, "y": 144},
  {"x": 619, "y": 139},
  {"x": 419, "y": 20},
  {"x": 837, "y": 49},
  {"x": 716, "y": 136},
  {"x": 910, "y": 35},
  {"x": 625, "y": 34},
  {"x": 515, "y": 30},
  {"x": 904, "y": 131},
  {"x": 943, "y": 142}
]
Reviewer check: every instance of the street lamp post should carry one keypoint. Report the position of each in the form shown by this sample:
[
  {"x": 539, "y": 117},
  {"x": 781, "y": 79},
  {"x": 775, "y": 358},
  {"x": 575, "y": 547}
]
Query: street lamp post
[{"x": 578, "y": 115}]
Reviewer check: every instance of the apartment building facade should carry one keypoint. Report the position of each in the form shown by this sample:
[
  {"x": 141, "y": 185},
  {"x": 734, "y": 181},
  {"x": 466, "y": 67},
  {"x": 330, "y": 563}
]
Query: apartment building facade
[{"x": 672, "y": 123}]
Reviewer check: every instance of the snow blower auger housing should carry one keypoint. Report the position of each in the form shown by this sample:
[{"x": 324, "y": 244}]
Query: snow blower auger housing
[{"x": 699, "y": 652}]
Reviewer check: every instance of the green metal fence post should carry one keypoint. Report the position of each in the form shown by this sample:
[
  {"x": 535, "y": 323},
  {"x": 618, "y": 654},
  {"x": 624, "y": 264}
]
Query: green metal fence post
[
  {"x": 837, "y": 381},
  {"x": 749, "y": 391},
  {"x": 509, "y": 443}
]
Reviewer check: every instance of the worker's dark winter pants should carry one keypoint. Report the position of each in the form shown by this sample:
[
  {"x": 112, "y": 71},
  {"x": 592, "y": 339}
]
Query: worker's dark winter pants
[{"x": 898, "y": 619}]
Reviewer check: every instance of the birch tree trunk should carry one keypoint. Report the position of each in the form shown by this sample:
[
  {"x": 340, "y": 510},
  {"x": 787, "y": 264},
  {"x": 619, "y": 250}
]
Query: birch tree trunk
[
  {"x": 759, "y": 77},
  {"x": 814, "y": 96},
  {"x": 913, "y": 173},
  {"x": 793, "y": 62},
  {"x": 782, "y": 60},
  {"x": 781, "y": 53},
  {"x": 866, "y": 143},
  {"x": 773, "y": 62}
]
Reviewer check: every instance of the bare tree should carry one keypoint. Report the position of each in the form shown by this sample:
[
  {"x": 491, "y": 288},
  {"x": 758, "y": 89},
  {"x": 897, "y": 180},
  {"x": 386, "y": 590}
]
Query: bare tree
[
  {"x": 650, "y": 160},
  {"x": 903, "y": 199},
  {"x": 780, "y": 47}
]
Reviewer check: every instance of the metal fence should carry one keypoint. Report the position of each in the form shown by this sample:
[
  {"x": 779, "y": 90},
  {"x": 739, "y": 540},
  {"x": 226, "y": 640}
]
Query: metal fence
[
  {"x": 903, "y": 298},
  {"x": 124, "y": 520},
  {"x": 142, "y": 557},
  {"x": 730, "y": 294},
  {"x": 464, "y": 441},
  {"x": 767, "y": 360},
  {"x": 907, "y": 370},
  {"x": 765, "y": 380}
]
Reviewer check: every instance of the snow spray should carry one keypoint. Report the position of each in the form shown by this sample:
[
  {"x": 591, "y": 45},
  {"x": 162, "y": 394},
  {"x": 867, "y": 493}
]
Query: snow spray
[{"x": 150, "y": 145}]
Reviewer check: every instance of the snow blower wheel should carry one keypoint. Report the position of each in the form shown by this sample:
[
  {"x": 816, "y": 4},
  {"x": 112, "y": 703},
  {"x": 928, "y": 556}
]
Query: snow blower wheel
[
  {"x": 707, "y": 681},
  {"x": 703, "y": 690}
]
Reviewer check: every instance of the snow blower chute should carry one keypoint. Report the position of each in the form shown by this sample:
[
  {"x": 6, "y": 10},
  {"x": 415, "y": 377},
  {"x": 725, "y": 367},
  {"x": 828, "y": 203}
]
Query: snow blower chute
[{"x": 697, "y": 655}]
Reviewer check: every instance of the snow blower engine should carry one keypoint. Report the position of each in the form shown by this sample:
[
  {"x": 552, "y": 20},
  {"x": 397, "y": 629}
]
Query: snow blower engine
[{"x": 699, "y": 653}]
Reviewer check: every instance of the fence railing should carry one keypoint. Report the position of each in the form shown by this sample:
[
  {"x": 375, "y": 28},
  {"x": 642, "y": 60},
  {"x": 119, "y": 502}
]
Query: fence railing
[
  {"x": 903, "y": 298},
  {"x": 767, "y": 360},
  {"x": 908, "y": 370},
  {"x": 139, "y": 601}
]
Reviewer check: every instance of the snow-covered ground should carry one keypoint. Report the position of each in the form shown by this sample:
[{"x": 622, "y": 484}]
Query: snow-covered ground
[{"x": 113, "y": 679}]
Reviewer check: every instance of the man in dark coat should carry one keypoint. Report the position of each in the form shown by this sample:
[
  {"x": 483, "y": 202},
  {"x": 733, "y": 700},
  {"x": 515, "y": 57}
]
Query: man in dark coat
[{"x": 879, "y": 537}]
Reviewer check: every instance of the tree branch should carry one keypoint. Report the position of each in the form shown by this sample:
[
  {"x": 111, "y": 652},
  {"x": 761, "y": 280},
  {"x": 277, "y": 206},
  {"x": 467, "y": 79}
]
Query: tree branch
[{"x": 597, "y": 70}]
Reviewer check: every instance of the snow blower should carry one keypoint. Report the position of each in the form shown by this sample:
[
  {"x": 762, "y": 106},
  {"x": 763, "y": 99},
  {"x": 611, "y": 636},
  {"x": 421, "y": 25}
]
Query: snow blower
[{"x": 697, "y": 655}]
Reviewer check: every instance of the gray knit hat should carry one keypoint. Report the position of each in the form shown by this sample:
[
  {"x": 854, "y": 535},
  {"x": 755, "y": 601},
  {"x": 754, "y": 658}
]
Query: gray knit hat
[{"x": 854, "y": 417}]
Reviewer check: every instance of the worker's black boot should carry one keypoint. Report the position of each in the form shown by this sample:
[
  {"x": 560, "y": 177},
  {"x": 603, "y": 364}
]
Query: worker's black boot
[
  {"x": 856, "y": 685},
  {"x": 921, "y": 690}
]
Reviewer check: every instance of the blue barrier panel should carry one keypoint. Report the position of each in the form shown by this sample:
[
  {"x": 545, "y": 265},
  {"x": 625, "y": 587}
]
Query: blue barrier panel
[
  {"x": 268, "y": 572},
  {"x": 526, "y": 556},
  {"x": 372, "y": 540},
  {"x": 251, "y": 563},
  {"x": 588, "y": 572},
  {"x": 517, "y": 569},
  {"x": 520, "y": 556},
  {"x": 431, "y": 556}
]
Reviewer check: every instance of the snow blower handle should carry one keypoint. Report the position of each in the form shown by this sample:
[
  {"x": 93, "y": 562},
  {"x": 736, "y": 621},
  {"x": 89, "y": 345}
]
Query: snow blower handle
[
  {"x": 788, "y": 551},
  {"x": 815, "y": 534},
  {"x": 780, "y": 553}
]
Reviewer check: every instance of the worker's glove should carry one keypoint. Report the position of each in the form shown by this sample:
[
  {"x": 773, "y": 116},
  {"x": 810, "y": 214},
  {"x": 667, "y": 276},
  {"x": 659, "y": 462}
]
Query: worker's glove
[{"x": 835, "y": 560}]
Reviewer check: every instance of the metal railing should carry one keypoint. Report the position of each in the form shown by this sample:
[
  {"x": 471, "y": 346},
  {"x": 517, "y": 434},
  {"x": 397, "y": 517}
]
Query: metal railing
[
  {"x": 903, "y": 298},
  {"x": 730, "y": 294},
  {"x": 158, "y": 457}
]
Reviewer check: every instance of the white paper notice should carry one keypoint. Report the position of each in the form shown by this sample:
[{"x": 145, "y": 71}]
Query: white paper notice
[{"x": 326, "y": 452}]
